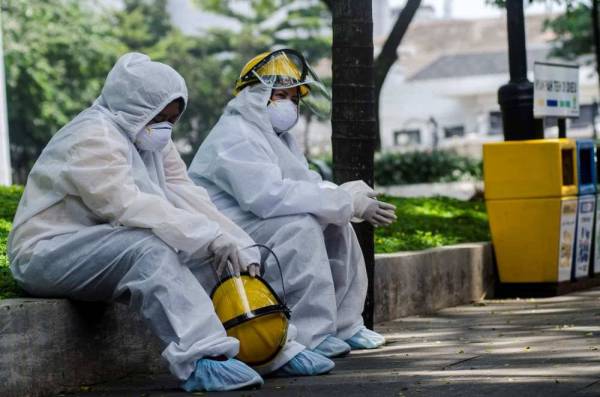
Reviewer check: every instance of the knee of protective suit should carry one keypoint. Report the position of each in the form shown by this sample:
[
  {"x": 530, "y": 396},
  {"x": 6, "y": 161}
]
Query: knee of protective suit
[
  {"x": 154, "y": 252},
  {"x": 306, "y": 223},
  {"x": 299, "y": 243}
]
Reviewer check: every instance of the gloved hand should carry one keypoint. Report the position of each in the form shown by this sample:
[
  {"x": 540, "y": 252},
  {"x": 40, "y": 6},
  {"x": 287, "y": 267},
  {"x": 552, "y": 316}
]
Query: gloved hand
[
  {"x": 376, "y": 212},
  {"x": 225, "y": 251},
  {"x": 358, "y": 187}
]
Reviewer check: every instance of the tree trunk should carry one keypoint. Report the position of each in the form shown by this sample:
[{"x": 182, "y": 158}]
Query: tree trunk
[
  {"x": 353, "y": 117},
  {"x": 389, "y": 53}
]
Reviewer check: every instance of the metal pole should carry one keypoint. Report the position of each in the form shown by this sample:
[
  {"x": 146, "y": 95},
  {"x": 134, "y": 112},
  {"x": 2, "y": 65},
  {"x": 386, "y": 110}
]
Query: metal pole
[
  {"x": 353, "y": 118},
  {"x": 595, "y": 116},
  {"x": 516, "y": 97},
  {"x": 562, "y": 127},
  {"x": 5, "y": 169}
]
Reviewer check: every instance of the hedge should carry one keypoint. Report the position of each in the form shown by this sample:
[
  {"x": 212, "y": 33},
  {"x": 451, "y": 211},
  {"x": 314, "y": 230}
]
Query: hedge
[
  {"x": 421, "y": 167},
  {"x": 425, "y": 167},
  {"x": 9, "y": 199},
  {"x": 422, "y": 223}
]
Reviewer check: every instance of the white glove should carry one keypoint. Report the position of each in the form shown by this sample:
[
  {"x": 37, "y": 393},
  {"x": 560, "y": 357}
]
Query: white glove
[
  {"x": 376, "y": 212},
  {"x": 226, "y": 251},
  {"x": 366, "y": 207},
  {"x": 359, "y": 186}
]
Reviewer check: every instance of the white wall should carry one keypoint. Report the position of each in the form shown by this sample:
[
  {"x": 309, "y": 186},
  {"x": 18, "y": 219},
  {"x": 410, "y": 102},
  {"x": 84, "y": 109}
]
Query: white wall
[{"x": 460, "y": 101}]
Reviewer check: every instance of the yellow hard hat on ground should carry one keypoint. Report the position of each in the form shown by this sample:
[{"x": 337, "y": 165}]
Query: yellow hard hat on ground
[
  {"x": 252, "y": 313},
  {"x": 283, "y": 69}
]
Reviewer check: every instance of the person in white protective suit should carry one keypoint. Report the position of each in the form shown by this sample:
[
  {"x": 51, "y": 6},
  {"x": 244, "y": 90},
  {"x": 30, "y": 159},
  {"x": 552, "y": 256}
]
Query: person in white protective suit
[
  {"x": 109, "y": 214},
  {"x": 255, "y": 174}
]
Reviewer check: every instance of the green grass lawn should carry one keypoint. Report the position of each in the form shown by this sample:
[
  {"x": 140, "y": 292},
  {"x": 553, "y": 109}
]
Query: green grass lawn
[
  {"x": 422, "y": 223},
  {"x": 432, "y": 222}
]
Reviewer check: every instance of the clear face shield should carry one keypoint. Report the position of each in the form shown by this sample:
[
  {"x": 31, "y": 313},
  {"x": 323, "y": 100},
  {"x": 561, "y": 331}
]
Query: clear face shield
[
  {"x": 251, "y": 312},
  {"x": 284, "y": 69}
]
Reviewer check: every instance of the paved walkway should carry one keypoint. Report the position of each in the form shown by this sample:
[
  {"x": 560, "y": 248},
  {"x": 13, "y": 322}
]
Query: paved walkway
[{"x": 532, "y": 347}]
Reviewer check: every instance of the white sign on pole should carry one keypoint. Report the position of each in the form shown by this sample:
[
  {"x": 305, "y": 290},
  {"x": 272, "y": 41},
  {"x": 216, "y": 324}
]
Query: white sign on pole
[{"x": 556, "y": 90}]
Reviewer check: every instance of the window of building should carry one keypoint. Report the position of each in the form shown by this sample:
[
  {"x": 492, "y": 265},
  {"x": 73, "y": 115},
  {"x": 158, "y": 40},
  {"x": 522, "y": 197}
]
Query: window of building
[
  {"x": 457, "y": 130},
  {"x": 407, "y": 137},
  {"x": 586, "y": 117},
  {"x": 495, "y": 123}
]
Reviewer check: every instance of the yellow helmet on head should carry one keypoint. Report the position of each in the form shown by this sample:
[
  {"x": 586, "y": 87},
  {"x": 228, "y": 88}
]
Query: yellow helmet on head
[{"x": 278, "y": 69}]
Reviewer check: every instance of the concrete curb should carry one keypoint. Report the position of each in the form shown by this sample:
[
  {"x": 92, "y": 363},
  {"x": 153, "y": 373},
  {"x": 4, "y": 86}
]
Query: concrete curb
[
  {"x": 53, "y": 345},
  {"x": 422, "y": 282}
]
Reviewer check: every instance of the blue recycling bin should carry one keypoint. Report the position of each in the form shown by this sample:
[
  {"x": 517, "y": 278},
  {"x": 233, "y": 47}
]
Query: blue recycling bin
[{"x": 586, "y": 208}]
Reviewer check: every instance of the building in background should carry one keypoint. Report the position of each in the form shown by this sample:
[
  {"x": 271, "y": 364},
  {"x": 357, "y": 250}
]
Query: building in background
[{"x": 442, "y": 92}]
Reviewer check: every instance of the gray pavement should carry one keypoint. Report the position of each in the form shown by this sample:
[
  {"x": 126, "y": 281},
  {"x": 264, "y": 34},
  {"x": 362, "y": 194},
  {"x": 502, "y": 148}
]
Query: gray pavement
[{"x": 527, "y": 347}]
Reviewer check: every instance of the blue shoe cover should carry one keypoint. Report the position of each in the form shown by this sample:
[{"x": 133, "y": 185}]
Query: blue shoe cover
[
  {"x": 332, "y": 347},
  {"x": 366, "y": 339},
  {"x": 213, "y": 375},
  {"x": 306, "y": 363}
]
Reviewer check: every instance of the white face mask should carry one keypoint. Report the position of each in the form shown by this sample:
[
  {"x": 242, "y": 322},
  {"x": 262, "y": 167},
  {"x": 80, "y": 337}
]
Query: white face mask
[
  {"x": 283, "y": 114},
  {"x": 154, "y": 137}
]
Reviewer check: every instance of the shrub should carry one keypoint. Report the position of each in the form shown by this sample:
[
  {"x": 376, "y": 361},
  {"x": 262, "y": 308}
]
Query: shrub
[
  {"x": 425, "y": 167},
  {"x": 9, "y": 200}
]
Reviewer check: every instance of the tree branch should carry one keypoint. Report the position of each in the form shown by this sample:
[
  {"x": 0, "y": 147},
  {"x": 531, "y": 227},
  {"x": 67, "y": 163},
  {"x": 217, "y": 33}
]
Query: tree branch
[{"x": 388, "y": 54}]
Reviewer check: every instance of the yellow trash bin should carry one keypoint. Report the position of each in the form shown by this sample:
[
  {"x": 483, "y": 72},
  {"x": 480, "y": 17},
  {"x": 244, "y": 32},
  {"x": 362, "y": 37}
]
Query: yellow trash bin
[{"x": 531, "y": 197}]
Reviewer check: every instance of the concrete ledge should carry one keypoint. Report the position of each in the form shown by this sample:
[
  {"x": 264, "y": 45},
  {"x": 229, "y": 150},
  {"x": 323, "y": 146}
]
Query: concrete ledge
[
  {"x": 53, "y": 345},
  {"x": 422, "y": 282}
]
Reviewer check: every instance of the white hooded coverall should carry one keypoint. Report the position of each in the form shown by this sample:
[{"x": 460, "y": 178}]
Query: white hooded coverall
[
  {"x": 101, "y": 221},
  {"x": 261, "y": 181}
]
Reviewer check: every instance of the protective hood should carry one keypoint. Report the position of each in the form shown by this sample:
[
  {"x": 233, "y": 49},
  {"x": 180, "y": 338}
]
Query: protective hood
[
  {"x": 137, "y": 89},
  {"x": 251, "y": 105}
]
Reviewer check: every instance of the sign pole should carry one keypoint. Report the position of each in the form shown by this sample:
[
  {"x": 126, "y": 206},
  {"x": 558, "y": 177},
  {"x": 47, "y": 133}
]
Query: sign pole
[
  {"x": 516, "y": 97},
  {"x": 562, "y": 127},
  {"x": 5, "y": 169}
]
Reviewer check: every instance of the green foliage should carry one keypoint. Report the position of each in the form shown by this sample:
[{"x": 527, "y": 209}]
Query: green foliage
[
  {"x": 573, "y": 29},
  {"x": 9, "y": 199},
  {"x": 57, "y": 54},
  {"x": 142, "y": 23},
  {"x": 432, "y": 222},
  {"x": 424, "y": 167}
]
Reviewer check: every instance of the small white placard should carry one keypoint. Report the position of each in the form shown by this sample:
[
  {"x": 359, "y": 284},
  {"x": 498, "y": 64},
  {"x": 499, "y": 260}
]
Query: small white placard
[
  {"x": 585, "y": 226},
  {"x": 568, "y": 219},
  {"x": 556, "y": 90},
  {"x": 597, "y": 239}
]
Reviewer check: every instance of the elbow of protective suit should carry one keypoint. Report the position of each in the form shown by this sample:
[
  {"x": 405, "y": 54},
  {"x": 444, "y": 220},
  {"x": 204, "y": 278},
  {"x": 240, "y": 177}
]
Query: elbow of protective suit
[{"x": 265, "y": 202}]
